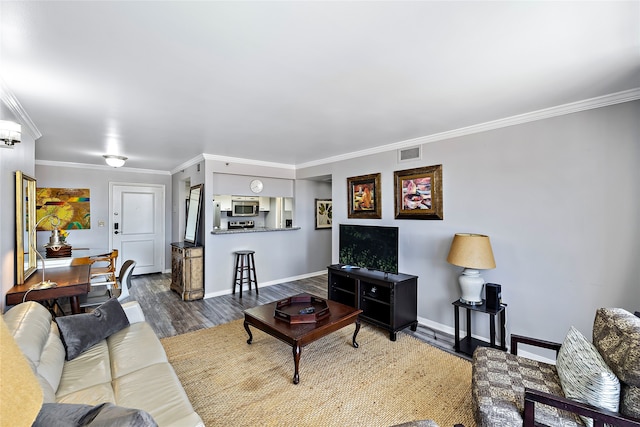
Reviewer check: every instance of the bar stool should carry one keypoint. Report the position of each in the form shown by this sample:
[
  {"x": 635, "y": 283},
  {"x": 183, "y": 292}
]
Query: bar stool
[{"x": 245, "y": 263}]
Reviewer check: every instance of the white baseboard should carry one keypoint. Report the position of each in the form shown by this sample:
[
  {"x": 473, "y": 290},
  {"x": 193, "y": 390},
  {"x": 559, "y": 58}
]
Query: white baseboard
[
  {"x": 429, "y": 324},
  {"x": 270, "y": 283},
  {"x": 439, "y": 327},
  {"x": 537, "y": 357}
]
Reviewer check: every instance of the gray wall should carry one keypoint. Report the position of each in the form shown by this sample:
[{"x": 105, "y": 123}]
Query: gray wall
[
  {"x": 21, "y": 158},
  {"x": 317, "y": 243},
  {"x": 279, "y": 255},
  {"x": 559, "y": 199},
  {"x": 97, "y": 180},
  {"x": 181, "y": 183}
]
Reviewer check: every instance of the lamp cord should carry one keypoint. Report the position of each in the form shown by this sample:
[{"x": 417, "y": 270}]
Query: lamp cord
[{"x": 24, "y": 297}]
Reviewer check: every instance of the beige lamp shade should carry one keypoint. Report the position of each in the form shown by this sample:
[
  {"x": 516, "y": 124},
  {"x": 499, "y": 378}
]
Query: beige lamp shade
[
  {"x": 471, "y": 251},
  {"x": 20, "y": 392}
]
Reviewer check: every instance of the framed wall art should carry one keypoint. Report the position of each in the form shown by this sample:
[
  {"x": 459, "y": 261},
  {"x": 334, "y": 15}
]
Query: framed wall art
[
  {"x": 71, "y": 205},
  {"x": 363, "y": 194},
  {"x": 324, "y": 213},
  {"x": 418, "y": 193}
]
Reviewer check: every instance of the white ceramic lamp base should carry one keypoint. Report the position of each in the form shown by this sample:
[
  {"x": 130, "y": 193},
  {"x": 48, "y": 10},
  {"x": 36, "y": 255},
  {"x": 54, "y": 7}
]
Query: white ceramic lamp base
[{"x": 471, "y": 284}]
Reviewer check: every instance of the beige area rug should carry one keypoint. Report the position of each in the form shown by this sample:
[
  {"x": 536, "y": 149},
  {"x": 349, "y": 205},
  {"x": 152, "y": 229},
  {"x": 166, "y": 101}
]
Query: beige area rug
[{"x": 381, "y": 383}]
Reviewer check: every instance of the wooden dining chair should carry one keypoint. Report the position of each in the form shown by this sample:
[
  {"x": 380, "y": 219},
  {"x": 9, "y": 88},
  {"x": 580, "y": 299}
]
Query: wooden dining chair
[
  {"x": 103, "y": 269},
  {"x": 102, "y": 294},
  {"x": 81, "y": 261}
]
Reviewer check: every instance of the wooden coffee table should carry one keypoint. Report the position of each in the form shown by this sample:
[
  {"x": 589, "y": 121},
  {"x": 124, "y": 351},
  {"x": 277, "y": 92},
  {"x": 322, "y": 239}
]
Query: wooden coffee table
[{"x": 299, "y": 335}]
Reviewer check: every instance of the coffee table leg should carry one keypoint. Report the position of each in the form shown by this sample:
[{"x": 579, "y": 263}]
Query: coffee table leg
[
  {"x": 355, "y": 344},
  {"x": 246, "y": 327},
  {"x": 296, "y": 362}
]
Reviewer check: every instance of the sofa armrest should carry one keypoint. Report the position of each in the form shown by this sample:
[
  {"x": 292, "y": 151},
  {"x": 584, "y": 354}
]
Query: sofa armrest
[
  {"x": 516, "y": 339},
  {"x": 599, "y": 416},
  {"x": 133, "y": 311}
]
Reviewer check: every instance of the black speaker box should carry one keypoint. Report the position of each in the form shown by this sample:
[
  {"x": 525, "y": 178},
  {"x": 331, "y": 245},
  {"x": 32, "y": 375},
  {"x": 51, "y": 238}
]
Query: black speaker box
[{"x": 493, "y": 293}]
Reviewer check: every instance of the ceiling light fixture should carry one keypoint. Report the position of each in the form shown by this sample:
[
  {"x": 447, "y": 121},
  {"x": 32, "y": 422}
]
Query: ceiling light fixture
[
  {"x": 10, "y": 132},
  {"x": 114, "y": 161}
]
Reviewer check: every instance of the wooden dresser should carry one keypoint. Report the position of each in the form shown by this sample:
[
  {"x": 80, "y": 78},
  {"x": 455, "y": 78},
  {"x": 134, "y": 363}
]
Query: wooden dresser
[{"x": 187, "y": 274}]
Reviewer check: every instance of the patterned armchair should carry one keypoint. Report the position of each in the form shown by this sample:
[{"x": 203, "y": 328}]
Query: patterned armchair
[{"x": 511, "y": 390}]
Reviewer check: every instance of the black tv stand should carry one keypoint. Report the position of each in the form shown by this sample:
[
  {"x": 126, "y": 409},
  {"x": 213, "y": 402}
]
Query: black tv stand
[{"x": 386, "y": 300}]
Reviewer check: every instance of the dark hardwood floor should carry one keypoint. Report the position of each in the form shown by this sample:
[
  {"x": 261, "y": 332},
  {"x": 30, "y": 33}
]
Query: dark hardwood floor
[{"x": 169, "y": 315}]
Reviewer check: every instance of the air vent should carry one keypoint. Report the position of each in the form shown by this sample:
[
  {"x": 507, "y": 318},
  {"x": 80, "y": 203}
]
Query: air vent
[{"x": 407, "y": 154}]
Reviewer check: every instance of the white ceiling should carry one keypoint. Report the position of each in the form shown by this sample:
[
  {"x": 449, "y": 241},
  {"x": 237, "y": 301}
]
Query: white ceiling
[{"x": 296, "y": 82}]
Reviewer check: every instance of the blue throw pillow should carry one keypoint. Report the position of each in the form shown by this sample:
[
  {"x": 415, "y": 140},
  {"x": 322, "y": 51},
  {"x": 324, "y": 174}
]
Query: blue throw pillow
[{"x": 81, "y": 331}]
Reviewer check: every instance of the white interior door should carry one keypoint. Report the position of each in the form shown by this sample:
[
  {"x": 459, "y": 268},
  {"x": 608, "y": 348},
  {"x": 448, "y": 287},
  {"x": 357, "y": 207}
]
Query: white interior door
[{"x": 137, "y": 226}]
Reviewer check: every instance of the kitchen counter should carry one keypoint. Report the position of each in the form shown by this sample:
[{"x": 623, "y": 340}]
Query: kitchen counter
[{"x": 252, "y": 230}]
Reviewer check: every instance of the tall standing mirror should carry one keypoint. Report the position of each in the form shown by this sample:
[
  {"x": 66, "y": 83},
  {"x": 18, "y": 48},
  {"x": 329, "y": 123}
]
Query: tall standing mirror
[
  {"x": 26, "y": 261},
  {"x": 193, "y": 214}
]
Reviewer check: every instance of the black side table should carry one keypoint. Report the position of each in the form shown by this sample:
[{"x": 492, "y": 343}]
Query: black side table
[{"x": 468, "y": 344}]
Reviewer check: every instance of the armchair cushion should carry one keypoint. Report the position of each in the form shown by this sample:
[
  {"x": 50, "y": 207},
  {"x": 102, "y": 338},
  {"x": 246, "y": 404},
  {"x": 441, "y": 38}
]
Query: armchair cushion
[
  {"x": 616, "y": 336},
  {"x": 630, "y": 401},
  {"x": 81, "y": 331},
  {"x": 419, "y": 423},
  {"x": 498, "y": 383},
  {"x": 585, "y": 376}
]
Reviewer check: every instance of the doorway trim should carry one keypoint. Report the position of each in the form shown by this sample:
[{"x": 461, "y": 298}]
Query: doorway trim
[{"x": 163, "y": 220}]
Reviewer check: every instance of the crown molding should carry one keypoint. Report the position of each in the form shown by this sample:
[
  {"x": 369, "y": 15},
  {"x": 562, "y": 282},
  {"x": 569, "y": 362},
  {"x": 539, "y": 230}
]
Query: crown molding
[
  {"x": 197, "y": 159},
  {"x": 99, "y": 167},
  {"x": 12, "y": 103},
  {"x": 249, "y": 161},
  {"x": 602, "y": 101},
  {"x": 573, "y": 107}
]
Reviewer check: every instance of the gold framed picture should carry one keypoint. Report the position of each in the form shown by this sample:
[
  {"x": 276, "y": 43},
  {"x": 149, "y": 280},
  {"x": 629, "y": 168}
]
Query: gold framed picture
[
  {"x": 363, "y": 194},
  {"x": 418, "y": 193}
]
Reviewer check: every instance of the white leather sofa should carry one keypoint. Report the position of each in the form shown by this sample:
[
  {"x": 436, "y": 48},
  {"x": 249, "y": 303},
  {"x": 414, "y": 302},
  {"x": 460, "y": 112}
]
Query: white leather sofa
[{"x": 129, "y": 368}]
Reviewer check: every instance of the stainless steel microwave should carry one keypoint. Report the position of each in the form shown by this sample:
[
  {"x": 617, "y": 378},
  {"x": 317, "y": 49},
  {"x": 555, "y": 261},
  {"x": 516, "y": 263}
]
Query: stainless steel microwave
[{"x": 245, "y": 208}]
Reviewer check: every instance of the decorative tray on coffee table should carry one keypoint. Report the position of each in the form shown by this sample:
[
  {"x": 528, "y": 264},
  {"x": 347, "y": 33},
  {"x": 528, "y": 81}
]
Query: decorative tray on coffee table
[{"x": 301, "y": 308}]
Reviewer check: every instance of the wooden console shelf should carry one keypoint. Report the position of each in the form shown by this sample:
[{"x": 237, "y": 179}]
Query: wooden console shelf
[
  {"x": 386, "y": 300},
  {"x": 187, "y": 270}
]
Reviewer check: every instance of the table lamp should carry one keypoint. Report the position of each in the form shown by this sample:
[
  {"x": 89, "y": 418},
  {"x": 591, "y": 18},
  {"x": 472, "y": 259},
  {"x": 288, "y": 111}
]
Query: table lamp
[
  {"x": 54, "y": 243},
  {"x": 473, "y": 252}
]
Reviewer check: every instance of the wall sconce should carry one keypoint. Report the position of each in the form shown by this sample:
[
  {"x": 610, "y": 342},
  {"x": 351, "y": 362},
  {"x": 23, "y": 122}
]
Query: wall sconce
[
  {"x": 473, "y": 252},
  {"x": 10, "y": 133},
  {"x": 114, "y": 161}
]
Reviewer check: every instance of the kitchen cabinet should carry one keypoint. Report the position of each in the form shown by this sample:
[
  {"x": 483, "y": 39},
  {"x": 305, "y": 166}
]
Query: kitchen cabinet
[
  {"x": 265, "y": 204},
  {"x": 225, "y": 202}
]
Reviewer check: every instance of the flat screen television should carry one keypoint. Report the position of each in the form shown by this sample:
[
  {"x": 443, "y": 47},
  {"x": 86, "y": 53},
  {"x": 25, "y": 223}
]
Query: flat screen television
[{"x": 368, "y": 246}]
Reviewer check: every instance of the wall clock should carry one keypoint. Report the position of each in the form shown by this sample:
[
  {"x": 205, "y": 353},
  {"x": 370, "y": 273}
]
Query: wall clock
[{"x": 256, "y": 186}]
